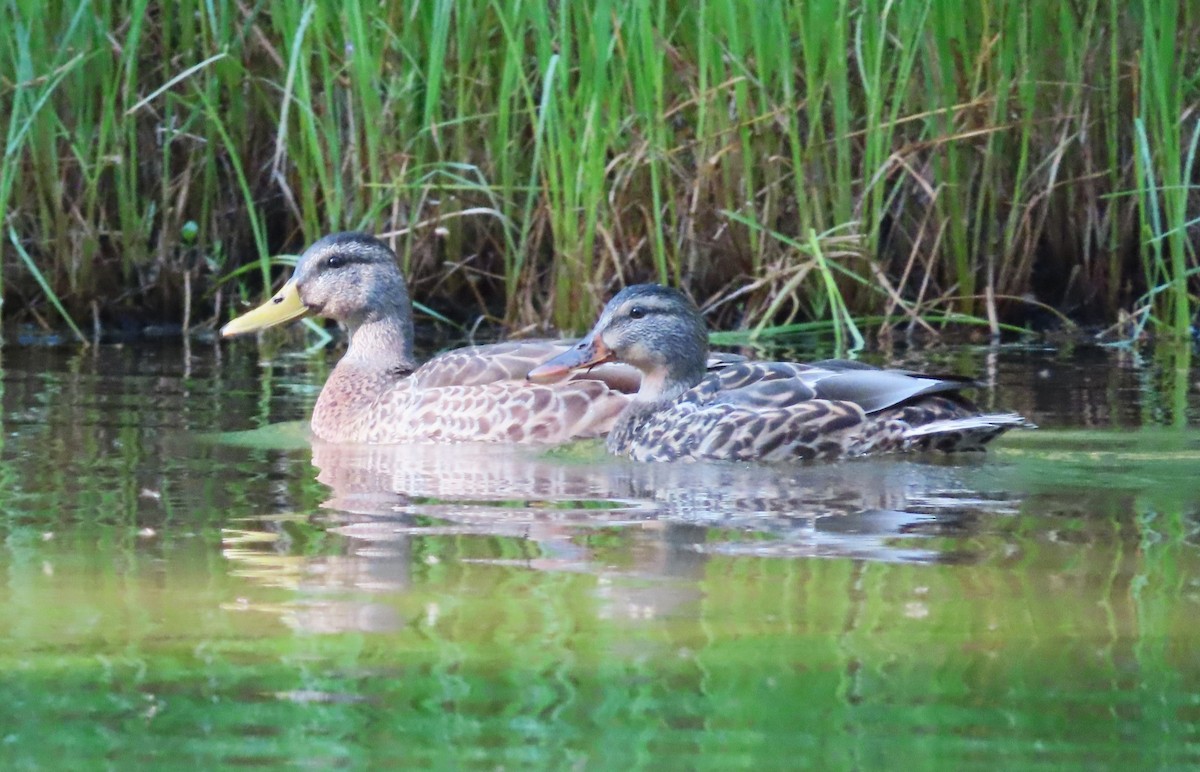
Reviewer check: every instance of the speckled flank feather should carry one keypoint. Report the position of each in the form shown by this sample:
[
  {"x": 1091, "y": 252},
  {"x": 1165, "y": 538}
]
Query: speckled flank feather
[
  {"x": 477, "y": 394},
  {"x": 765, "y": 410},
  {"x": 377, "y": 394}
]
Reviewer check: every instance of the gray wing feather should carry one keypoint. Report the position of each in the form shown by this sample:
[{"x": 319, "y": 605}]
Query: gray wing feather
[
  {"x": 778, "y": 384},
  {"x": 875, "y": 390}
]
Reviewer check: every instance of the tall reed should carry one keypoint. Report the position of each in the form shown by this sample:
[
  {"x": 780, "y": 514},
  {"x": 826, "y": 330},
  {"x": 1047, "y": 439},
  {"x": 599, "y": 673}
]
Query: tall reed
[{"x": 975, "y": 158}]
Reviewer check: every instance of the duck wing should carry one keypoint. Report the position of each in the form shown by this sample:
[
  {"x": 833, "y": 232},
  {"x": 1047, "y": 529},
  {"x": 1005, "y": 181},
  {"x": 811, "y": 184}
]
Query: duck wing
[
  {"x": 477, "y": 365},
  {"x": 511, "y": 361},
  {"x": 874, "y": 390},
  {"x": 765, "y": 385}
]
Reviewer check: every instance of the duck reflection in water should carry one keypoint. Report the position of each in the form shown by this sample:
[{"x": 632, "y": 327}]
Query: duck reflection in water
[{"x": 518, "y": 509}]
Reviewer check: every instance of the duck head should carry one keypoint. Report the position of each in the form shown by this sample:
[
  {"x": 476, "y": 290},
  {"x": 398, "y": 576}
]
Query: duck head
[
  {"x": 656, "y": 329},
  {"x": 350, "y": 277}
]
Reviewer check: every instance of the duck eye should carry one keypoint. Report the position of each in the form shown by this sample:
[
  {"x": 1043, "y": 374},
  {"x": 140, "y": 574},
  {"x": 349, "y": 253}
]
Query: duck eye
[
  {"x": 335, "y": 261},
  {"x": 637, "y": 312}
]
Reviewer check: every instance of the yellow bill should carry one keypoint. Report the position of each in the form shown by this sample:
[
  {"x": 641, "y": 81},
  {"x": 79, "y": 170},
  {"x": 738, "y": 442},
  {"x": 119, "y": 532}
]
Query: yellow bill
[{"x": 283, "y": 307}]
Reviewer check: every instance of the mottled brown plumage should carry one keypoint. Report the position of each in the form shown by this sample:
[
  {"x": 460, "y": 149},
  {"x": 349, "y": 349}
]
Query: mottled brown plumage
[
  {"x": 378, "y": 394},
  {"x": 762, "y": 410}
]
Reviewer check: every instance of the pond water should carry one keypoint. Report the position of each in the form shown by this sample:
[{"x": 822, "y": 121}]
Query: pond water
[{"x": 189, "y": 582}]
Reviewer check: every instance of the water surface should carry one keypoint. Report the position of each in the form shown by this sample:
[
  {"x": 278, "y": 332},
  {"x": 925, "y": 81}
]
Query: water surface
[{"x": 190, "y": 582}]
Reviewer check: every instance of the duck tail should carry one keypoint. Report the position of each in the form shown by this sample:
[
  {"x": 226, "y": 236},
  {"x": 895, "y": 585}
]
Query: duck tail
[{"x": 970, "y": 433}]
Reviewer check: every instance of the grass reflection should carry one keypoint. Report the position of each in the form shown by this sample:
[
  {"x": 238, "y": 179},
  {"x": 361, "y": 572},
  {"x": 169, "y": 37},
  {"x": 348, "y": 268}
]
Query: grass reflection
[{"x": 836, "y": 662}]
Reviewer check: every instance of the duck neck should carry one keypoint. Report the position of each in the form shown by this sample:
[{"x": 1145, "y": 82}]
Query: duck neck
[
  {"x": 382, "y": 342},
  {"x": 668, "y": 381},
  {"x": 661, "y": 386},
  {"x": 379, "y": 355}
]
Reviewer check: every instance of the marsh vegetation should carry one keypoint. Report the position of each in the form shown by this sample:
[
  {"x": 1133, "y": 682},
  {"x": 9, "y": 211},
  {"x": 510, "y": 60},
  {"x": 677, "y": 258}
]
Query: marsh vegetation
[{"x": 787, "y": 162}]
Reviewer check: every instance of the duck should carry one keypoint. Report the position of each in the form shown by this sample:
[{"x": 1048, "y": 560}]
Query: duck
[
  {"x": 378, "y": 394},
  {"x": 760, "y": 410}
]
